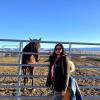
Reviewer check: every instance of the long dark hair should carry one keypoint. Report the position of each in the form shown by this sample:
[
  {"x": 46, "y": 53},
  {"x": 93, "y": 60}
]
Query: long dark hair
[{"x": 54, "y": 55}]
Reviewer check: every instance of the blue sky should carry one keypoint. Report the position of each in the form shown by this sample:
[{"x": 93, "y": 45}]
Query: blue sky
[{"x": 52, "y": 20}]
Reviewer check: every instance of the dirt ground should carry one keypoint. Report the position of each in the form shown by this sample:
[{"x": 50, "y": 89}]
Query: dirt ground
[{"x": 79, "y": 61}]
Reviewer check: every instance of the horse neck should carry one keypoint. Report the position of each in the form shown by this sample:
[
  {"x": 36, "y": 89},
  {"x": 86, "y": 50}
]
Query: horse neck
[{"x": 32, "y": 60}]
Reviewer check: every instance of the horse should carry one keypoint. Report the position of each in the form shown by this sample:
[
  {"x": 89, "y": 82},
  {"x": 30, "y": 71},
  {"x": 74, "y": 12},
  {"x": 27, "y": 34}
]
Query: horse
[{"x": 32, "y": 46}]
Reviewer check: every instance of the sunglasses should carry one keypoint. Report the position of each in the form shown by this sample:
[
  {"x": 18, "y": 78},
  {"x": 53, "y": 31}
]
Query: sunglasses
[{"x": 58, "y": 48}]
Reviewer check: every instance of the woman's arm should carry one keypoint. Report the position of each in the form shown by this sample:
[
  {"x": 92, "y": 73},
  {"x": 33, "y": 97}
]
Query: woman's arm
[{"x": 48, "y": 81}]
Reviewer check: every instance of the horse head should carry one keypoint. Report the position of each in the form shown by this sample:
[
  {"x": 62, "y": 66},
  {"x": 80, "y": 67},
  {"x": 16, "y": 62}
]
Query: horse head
[{"x": 35, "y": 45}]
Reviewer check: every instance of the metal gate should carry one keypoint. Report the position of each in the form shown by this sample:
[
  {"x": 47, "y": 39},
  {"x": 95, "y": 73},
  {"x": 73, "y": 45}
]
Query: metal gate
[{"x": 92, "y": 53}]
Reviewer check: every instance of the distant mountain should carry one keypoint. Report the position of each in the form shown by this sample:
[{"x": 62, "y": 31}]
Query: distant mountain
[
  {"x": 51, "y": 49},
  {"x": 9, "y": 49},
  {"x": 87, "y": 49},
  {"x": 80, "y": 49}
]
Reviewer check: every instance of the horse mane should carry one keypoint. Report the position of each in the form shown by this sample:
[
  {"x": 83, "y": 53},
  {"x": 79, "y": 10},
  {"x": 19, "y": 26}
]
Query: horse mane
[{"x": 26, "y": 48}]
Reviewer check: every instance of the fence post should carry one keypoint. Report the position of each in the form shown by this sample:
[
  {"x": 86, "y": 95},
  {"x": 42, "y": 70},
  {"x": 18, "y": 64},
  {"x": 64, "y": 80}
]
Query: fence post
[
  {"x": 19, "y": 69},
  {"x": 69, "y": 50}
]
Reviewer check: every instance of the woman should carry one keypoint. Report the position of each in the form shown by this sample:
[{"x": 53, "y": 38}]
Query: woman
[{"x": 59, "y": 73}]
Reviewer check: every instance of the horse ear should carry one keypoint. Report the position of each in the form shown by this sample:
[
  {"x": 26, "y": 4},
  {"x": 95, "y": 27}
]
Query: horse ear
[
  {"x": 39, "y": 39},
  {"x": 30, "y": 39}
]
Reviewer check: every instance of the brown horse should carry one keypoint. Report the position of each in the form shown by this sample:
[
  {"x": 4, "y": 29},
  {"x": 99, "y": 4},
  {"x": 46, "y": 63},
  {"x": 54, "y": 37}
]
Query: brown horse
[{"x": 32, "y": 46}]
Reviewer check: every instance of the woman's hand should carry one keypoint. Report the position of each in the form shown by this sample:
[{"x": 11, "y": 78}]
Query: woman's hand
[{"x": 63, "y": 93}]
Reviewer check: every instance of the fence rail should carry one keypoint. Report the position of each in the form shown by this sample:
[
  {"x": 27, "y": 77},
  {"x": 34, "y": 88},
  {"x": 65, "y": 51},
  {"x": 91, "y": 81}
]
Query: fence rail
[{"x": 18, "y": 85}]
